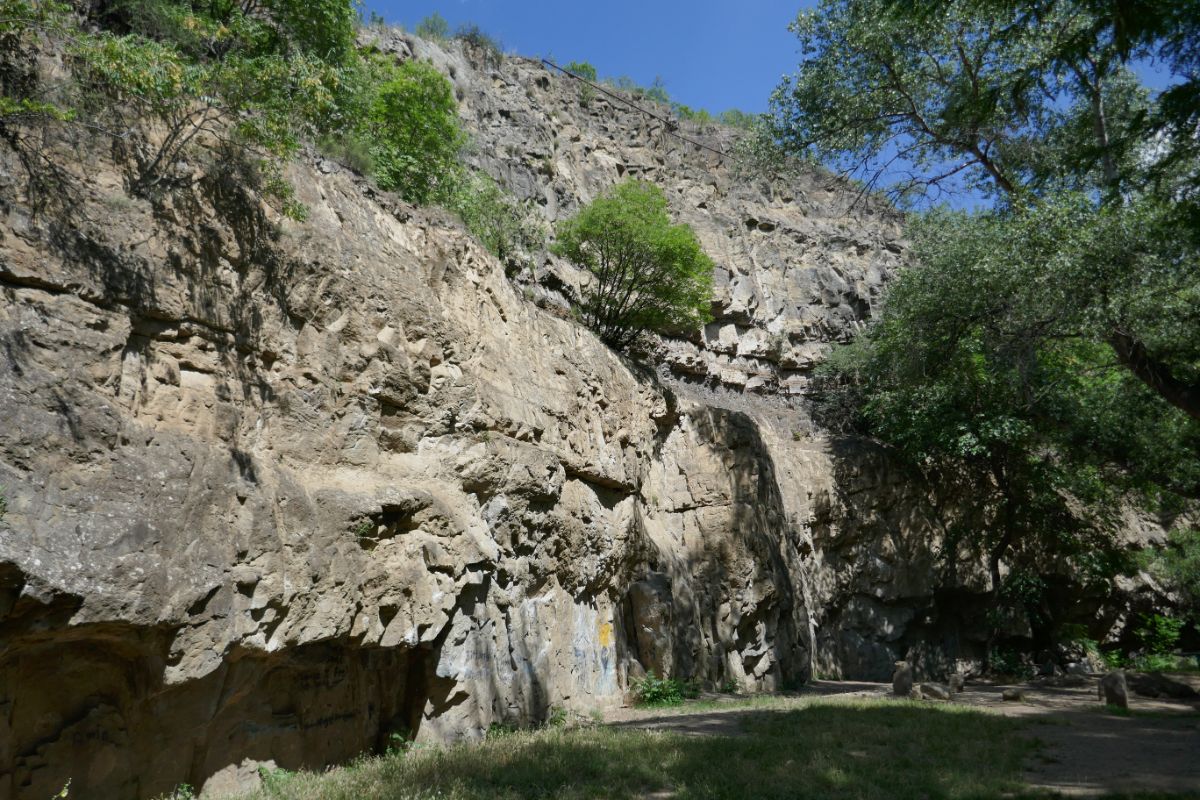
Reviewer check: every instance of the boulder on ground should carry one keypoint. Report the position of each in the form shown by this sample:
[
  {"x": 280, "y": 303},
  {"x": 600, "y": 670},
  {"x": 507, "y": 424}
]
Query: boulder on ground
[
  {"x": 956, "y": 683},
  {"x": 933, "y": 691},
  {"x": 1012, "y": 695},
  {"x": 1113, "y": 690},
  {"x": 902, "y": 679}
]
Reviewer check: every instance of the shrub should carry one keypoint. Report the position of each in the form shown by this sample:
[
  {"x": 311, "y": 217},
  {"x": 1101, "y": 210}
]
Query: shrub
[
  {"x": 275, "y": 781},
  {"x": 1009, "y": 661},
  {"x": 588, "y": 72},
  {"x": 349, "y": 151},
  {"x": 656, "y": 91},
  {"x": 498, "y": 220},
  {"x": 375, "y": 21},
  {"x": 1158, "y": 634},
  {"x": 180, "y": 80},
  {"x": 475, "y": 39},
  {"x": 698, "y": 115},
  {"x": 413, "y": 122},
  {"x": 434, "y": 27},
  {"x": 1154, "y": 662},
  {"x": 648, "y": 275},
  {"x": 1178, "y": 565},
  {"x": 557, "y": 717},
  {"x": 583, "y": 69},
  {"x": 738, "y": 119},
  {"x": 654, "y": 691}
]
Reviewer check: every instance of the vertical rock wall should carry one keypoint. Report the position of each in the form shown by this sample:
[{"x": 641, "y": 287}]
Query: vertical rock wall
[{"x": 277, "y": 491}]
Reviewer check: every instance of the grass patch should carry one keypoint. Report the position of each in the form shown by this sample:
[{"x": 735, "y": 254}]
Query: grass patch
[{"x": 814, "y": 748}]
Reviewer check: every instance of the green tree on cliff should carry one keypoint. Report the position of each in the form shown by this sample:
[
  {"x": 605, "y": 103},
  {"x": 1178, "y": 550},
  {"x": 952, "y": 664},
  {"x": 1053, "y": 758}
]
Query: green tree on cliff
[{"x": 647, "y": 274}]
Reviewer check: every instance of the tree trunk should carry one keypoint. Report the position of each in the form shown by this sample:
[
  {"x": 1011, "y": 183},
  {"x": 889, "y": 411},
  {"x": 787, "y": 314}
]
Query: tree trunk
[{"x": 1132, "y": 354}]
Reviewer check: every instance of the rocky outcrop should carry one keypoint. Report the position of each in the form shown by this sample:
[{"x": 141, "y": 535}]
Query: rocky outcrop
[
  {"x": 272, "y": 491},
  {"x": 278, "y": 491},
  {"x": 799, "y": 263}
]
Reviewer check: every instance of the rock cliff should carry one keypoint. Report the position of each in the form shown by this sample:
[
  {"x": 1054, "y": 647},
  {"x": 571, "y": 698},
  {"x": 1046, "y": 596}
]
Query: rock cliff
[{"x": 277, "y": 491}]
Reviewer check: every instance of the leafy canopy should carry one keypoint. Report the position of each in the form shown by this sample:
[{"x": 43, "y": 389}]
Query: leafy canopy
[
  {"x": 1043, "y": 349},
  {"x": 413, "y": 124},
  {"x": 433, "y": 27},
  {"x": 501, "y": 223},
  {"x": 648, "y": 275},
  {"x": 1178, "y": 566},
  {"x": 166, "y": 78}
]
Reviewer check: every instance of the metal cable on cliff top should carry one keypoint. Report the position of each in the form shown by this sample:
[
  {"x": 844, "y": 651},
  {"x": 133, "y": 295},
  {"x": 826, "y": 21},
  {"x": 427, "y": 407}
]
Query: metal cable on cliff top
[{"x": 668, "y": 121}]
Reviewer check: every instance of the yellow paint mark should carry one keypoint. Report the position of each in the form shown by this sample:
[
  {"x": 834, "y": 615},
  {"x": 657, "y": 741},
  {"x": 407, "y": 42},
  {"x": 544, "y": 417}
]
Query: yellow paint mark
[{"x": 606, "y": 634}]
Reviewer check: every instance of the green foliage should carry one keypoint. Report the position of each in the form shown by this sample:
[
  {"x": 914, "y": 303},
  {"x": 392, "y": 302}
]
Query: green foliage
[
  {"x": 168, "y": 80},
  {"x": 501, "y": 730},
  {"x": 29, "y": 16},
  {"x": 732, "y": 118},
  {"x": 649, "y": 275},
  {"x": 699, "y": 116},
  {"x": 276, "y": 781},
  {"x": 478, "y": 41},
  {"x": 374, "y": 20},
  {"x": 14, "y": 108},
  {"x": 977, "y": 368},
  {"x": 656, "y": 92},
  {"x": 433, "y": 27},
  {"x": 583, "y": 69},
  {"x": 964, "y": 91},
  {"x": 655, "y": 691},
  {"x": 557, "y": 718},
  {"x": 739, "y": 119},
  {"x": 972, "y": 93},
  {"x": 183, "y": 791},
  {"x": 400, "y": 742},
  {"x": 1010, "y": 662},
  {"x": 1040, "y": 353},
  {"x": 349, "y": 150},
  {"x": 759, "y": 153},
  {"x": 413, "y": 124},
  {"x": 506, "y": 228},
  {"x": 1155, "y": 662},
  {"x": 588, "y": 72},
  {"x": 1178, "y": 566},
  {"x": 1158, "y": 634},
  {"x": 23, "y": 24}
]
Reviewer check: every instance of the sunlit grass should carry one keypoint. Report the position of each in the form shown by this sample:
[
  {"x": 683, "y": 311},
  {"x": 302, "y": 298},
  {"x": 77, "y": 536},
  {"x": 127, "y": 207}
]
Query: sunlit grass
[{"x": 788, "y": 748}]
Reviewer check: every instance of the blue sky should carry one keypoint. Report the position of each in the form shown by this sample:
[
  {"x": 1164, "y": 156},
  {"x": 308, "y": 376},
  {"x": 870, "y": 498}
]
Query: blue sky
[{"x": 714, "y": 54}]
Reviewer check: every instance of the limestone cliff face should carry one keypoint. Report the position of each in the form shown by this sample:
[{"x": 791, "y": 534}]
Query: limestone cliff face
[{"x": 277, "y": 490}]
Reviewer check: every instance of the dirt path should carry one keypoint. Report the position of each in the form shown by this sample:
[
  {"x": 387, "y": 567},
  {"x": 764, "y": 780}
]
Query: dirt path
[{"x": 1085, "y": 750}]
